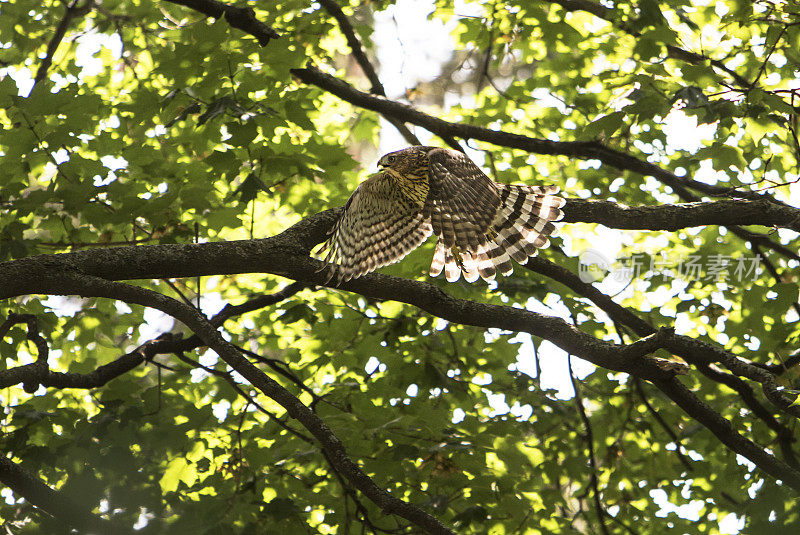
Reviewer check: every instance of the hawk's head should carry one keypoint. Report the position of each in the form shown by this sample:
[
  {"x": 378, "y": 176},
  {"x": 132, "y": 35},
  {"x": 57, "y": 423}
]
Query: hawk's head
[{"x": 413, "y": 160}]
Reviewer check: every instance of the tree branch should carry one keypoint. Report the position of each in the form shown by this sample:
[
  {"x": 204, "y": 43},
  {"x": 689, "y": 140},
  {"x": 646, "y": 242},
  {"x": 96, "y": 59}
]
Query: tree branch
[
  {"x": 73, "y": 10},
  {"x": 664, "y": 425},
  {"x": 179, "y": 260},
  {"x": 243, "y": 18},
  {"x": 673, "y": 51},
  {"x": 585, "y": 150},
  {"x": 357, "y": 50},
  {"x": 90, "y": 286},
  {"x": 677, "y": 216},
  {"x": 286, "y": 255},
  {"x": 39, "y": 374},
  {"x": 54, "y": 502}
]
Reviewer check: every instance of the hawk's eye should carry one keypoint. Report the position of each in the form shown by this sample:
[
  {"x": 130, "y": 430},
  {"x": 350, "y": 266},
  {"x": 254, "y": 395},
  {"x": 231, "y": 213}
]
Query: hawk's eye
[{"x": 390, "y": 159}]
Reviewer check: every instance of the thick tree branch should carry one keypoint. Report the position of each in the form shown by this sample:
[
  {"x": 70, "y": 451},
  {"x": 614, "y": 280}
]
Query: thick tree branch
[
  {"x": 677, "y": 216},
  {"x": 286, "y": 255},
  {"x": 586, "y": 150},
  {"x": 243, "y": 18},
  {"x": 91, "y": 286},
  {"x": 180, "y": 260}
]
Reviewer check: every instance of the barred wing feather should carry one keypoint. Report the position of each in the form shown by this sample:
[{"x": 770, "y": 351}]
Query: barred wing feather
[
  {"x": 521, "y": 226},
  {"x": 377, "y": 228}
]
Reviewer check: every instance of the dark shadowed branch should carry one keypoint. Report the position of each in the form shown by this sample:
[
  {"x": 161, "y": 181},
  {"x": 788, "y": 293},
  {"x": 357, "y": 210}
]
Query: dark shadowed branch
[
  {"x": 243, "y": 18},
  {"x": 360, "y": 55},
  {"x": 53, "y": 502},
  {"x": 73, "y": 11},
  {"x": 677, "y": 216},
  {"x": 675, "y": 52},
  {"x": 90, "y": 286},
  {"x": 287, "y": 255},
  {"x": 586, "y": 150},
  {"x": 38, "y": 373}
]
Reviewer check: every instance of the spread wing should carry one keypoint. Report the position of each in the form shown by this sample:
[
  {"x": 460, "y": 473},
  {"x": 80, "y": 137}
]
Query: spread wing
[
  {"x": 378, "y": 226},
  {"x": 522, "y": 226},
  {"x": 462, "y": 200}
]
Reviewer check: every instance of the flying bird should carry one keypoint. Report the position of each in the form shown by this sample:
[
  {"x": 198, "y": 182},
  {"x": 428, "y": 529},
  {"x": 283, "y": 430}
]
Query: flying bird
[{"x": 481, "y": 225}]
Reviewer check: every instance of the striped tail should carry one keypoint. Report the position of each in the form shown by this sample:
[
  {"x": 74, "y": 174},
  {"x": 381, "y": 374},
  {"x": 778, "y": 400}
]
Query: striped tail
[{"x": 521, "y": 227}]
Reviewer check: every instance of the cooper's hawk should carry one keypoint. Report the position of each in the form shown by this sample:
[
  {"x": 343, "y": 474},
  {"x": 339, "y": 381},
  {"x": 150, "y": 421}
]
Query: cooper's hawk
[{"x": 481, "y": 225}]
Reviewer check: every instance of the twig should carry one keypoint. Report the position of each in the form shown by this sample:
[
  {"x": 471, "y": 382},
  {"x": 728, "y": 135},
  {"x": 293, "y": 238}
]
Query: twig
[
  {"x": 73, "y": 10},
  {"x": 589, "y": 440},
  {"x": 667, "y": 429},
  {"x": 357, "y": 50}
]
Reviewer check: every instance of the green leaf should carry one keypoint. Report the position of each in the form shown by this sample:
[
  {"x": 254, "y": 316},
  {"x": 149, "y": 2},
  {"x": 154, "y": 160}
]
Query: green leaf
[
  {"x": 178, "y": 470},
  {"x": 241, "y": 133},
  {"x": 250, "y": 187},
  {"x": 296, "y": 313},
  {"x": 604, "y": 127},
  {"x": 281, "y": 508},
  {"x": 215, "y": 109}
]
